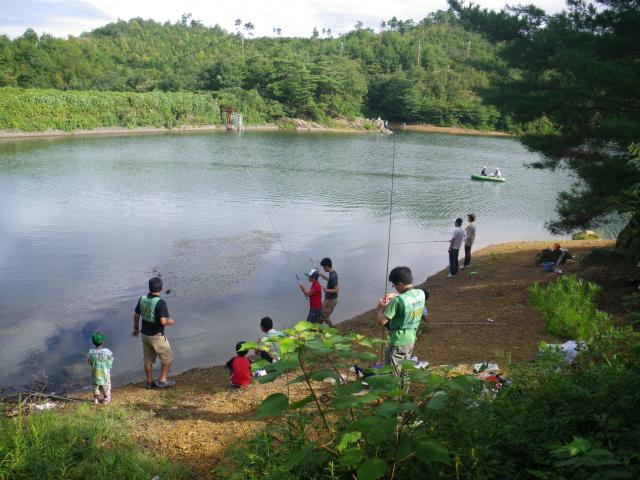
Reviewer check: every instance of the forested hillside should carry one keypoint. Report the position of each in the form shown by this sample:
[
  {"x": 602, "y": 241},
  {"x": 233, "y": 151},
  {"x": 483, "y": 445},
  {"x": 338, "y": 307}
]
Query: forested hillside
[{"x": 426, "y": 72}]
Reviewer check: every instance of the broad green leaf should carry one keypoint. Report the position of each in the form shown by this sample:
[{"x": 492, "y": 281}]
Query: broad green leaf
[
  {"x": 249, "y": 346},
  {"x": 431, "y": 451},
  {"x": 366, "y": 342},
  {"x": 259, "y": 365},
  {"x": 367, "y": 357},
  {"x": 320, "y": 375},
  {"x": 369, "y": 397},
  {"x": 303, "y": 326},
  {"x": 272, "y": 406},
  {"x": 437, "y": 401},
  {"x": 302, "y": 402},
  {"x": 349, "y": 388},
  {"x": 347, "y": 439},
  {"x": 420, "y": 376},
  {"x": 288, "y": 345},
  {"x": 372, "y": 469},
  {"x": 463, "y": 384},
  {"x": 351, "y": 457},
  {"x": 388, "y": 408},
  {"x": 343, "y": 403},
  {"x": 382, "y": 382},
  {"x": 269, "y": 377}
]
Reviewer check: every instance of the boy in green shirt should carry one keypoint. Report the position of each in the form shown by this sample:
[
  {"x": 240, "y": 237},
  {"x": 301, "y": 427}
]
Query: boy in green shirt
[
  {"x": 401, "y": 313},
  {"x": 100, "y": 359}
]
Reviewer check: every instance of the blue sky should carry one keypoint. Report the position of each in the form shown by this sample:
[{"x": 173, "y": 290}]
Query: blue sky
[{"x": 294, "y": 17}]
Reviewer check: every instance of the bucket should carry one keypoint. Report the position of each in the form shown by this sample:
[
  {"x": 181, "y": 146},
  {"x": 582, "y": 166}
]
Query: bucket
[{"x": 548, "y": 266}]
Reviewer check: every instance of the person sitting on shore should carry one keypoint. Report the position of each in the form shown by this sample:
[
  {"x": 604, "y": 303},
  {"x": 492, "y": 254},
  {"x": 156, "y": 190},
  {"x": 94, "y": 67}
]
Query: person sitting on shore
[
  {"x": 314, "y": 294},
  {"x": 273, "y": 355},
  {"x": 240, "y": 368}
]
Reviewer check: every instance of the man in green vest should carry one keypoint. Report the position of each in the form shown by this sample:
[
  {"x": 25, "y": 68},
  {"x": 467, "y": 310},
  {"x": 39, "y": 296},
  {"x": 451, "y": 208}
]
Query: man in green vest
[
  {"x": 401, "y": 314},
  {"x": 155, "y": 316}
]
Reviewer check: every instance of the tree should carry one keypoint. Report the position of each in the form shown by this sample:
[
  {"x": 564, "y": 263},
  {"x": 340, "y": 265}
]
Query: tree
[{"x": 575, "y": 86}]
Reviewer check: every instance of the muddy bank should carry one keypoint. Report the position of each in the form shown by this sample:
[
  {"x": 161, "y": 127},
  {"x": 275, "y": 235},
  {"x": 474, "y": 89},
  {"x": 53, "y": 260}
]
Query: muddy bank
[{"x": 448, "y": 130}]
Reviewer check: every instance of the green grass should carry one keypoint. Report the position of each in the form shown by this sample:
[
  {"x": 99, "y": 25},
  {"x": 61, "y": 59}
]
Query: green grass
[
  {"x": 569, "y": 307},
  {"x": 88, "y": 442}
]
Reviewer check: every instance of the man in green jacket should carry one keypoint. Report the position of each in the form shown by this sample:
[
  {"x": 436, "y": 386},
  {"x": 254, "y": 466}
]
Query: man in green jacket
[{"x": 401, "y": 313}]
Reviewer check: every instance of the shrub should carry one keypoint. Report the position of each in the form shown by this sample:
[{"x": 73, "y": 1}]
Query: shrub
[{"x": 569, "y": 307}]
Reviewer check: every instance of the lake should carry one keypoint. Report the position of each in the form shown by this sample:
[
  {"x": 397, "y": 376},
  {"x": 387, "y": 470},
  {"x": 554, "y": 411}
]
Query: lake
[{"x": 228, "y": 220}]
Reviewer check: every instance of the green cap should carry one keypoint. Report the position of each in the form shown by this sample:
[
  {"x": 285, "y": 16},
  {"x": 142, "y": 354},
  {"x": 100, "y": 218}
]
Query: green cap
[{"x": 97, "y": 338}]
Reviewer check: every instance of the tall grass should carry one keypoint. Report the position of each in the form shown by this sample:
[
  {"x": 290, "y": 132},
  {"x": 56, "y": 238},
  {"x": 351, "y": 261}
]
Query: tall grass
[
  {"x": 86, "y": 443},
  {"x": 569, "y": 307}
]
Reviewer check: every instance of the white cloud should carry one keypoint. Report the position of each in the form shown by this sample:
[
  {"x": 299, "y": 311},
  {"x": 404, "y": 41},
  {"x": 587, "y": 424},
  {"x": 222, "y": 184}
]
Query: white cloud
[{"x": 294, "y": 18}]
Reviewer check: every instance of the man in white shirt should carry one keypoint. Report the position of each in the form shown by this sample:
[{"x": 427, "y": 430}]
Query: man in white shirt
[
  {"x": 454, "y": 247},
  {"x": 469, "y": 238}
]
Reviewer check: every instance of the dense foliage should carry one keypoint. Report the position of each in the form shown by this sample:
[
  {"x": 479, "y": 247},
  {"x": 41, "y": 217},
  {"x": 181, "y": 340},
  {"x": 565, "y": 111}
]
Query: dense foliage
[
  {"x": 550, "y": 420},
  {"x": 425, "y": 73},
  {"x": 35, "y": 109},
  {"x": 574, "y": 80}
]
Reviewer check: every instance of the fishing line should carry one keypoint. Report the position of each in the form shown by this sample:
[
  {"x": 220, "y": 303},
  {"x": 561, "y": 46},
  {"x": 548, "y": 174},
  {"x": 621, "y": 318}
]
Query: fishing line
[
  {"x": 386, "y": 275},
  {"x": 284, "y": 250}
]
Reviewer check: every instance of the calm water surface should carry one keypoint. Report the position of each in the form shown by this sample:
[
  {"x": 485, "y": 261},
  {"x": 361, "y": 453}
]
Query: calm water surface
[{"x": 228, "y": 220}]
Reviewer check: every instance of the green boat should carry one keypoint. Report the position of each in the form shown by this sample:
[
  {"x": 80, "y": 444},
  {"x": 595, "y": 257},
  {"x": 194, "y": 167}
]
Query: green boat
[{"x": 486, "y": 178}]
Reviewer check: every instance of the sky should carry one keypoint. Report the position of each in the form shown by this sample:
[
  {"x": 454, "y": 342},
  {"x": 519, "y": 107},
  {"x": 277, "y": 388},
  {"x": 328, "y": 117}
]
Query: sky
[{"x": 294, "y": 17}]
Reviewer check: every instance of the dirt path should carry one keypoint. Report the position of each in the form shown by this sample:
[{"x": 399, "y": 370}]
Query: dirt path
[{"x": 197, "y": 420}]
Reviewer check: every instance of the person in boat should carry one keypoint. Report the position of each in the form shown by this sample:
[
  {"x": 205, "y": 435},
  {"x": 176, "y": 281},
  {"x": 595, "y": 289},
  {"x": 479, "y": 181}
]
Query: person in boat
[
  {"x": 497, "y": 173},
  {"x": 484, "y": 171}
]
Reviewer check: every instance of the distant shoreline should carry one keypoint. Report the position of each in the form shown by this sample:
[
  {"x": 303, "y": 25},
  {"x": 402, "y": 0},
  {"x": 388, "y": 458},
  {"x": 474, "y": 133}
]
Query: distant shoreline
[{"x": 117, "y": 131}]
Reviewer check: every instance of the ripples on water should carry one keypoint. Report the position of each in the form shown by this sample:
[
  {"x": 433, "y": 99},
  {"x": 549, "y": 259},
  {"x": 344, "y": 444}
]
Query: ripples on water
[{"x": 85, "y": 221}]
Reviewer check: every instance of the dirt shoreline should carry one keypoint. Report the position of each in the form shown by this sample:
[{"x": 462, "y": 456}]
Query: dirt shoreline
[
  {"x": 312, "y": 128},
  {"x": 195, "y": 422},
  {"x": 449, "y": 130}
]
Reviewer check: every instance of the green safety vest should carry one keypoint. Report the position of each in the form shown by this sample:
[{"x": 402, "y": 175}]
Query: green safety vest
[{"x": 148, "y": 307}]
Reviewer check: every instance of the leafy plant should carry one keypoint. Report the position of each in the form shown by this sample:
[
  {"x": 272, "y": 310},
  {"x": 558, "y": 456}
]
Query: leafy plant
[
  {"x": 569, "y": 307},
  {"x": 345, "y": 425}
]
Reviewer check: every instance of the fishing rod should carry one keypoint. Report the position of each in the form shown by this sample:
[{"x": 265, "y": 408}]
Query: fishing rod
[
  {"x": 386, "y": 275},
  {"x": 273, "y": 226}
]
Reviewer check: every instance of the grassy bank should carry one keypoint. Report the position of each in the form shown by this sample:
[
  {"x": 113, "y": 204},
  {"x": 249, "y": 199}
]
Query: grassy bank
[{"x": 80, "y": 443}]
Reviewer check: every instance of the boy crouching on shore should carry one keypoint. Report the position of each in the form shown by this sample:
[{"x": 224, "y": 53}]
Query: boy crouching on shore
[
  {"x": 100, "y": 359},
  {"x": 240, "y": 368}
]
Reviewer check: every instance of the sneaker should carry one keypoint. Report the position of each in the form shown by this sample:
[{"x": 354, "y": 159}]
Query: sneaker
[
  {"x": 462, "y": 267},
  {"x": 165, "y": 384},
  {"x": 150, "y": 385},
  {"x": 96, "y": 401},
  {"x": 451, "y": 276},
  {"x": 106, "y": 400}
]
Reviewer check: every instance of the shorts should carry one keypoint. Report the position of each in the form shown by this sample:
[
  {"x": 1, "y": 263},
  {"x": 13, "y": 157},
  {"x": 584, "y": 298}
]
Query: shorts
[
  {"x": 327, "y": 308},
  {"x": 395, "y": 355},
  {"x": 104, "y": 389},
  {"x": 314, "y": 315},
  {"x": 156, "y": 346}
]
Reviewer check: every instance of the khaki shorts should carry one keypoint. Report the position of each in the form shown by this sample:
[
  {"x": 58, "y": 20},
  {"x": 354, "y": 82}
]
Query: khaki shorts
[
  {"x": 156, "y": 346},
  {"x": 327, "y": 309}
]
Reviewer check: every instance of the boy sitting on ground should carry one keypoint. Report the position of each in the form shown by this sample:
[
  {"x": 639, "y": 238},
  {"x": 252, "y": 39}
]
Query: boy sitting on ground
[
  {"x": 240, "y": 368},
  {"x": 273, "y": 355}
]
